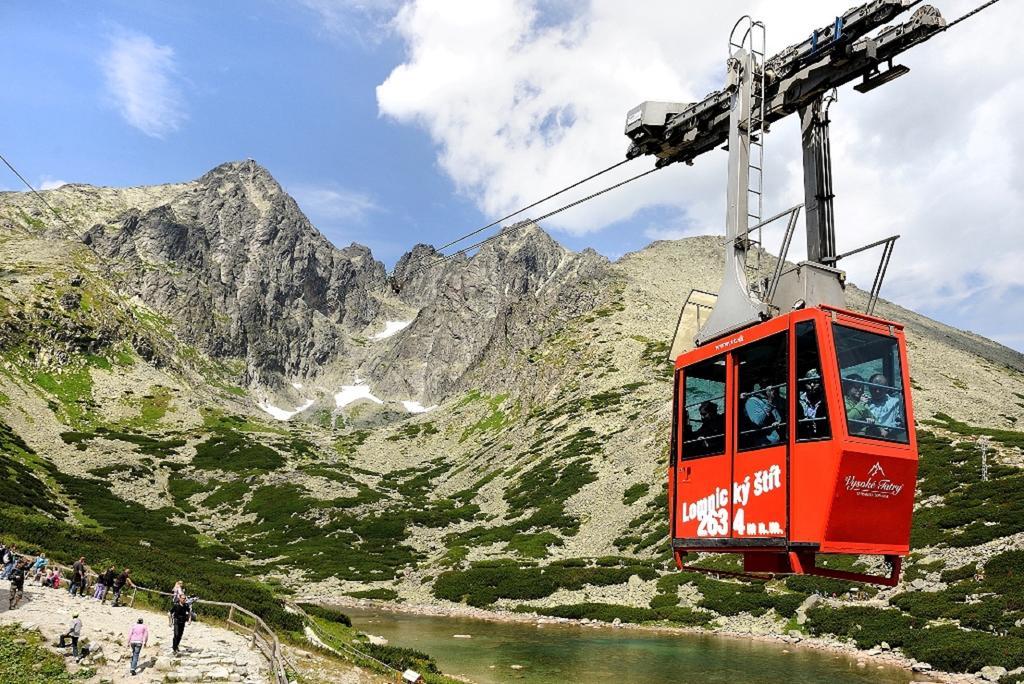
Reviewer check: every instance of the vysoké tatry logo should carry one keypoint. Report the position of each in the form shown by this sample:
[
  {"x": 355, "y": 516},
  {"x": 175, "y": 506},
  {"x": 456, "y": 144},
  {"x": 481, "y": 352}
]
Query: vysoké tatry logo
[{"x": 875, "y": 486}]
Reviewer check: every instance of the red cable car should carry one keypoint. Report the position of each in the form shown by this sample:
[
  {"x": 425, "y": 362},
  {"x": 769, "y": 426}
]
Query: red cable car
[
  {"x": 791, "y": 439},
  {"x": 792, "y": 422}
]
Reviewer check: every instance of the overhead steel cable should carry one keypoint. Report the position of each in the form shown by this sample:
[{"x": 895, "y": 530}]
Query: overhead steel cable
[
  {"x": 970, "y": 14},
  {"x": 37, "y": 194},
  {"x": 531, "y": 206},
  {"x": 549, "y": 214}
]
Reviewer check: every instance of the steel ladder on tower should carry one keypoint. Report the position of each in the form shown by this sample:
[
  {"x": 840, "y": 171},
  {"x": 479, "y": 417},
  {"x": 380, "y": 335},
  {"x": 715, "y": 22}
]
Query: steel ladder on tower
[{"x": 753, "y": 40}]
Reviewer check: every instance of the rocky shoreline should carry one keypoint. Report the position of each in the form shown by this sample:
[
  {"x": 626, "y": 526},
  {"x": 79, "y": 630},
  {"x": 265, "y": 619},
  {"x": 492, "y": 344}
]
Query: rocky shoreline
[{"x": 875, "y": 657}]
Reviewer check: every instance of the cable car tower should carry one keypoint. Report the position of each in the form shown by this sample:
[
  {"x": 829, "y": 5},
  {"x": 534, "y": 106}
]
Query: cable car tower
[{"x": 792, "y": 422}]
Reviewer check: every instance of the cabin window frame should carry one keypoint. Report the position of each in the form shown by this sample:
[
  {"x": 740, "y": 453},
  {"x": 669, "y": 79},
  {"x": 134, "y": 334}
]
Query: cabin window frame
[
  {"x": 896, "y": 371},
  {"x": 781, "y": 402},
  {"x": 683, "y": 414},
  {"x": 797, "y": 380}
]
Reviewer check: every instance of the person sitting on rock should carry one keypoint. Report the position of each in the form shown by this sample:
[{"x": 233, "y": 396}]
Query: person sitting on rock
[
  {"x": 39, "y": 566},
  {"x": 9, "y": 558}
]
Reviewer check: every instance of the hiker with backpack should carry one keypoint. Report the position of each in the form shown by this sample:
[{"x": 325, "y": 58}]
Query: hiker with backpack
[
  {"x": 9, "y": 558},
  {"x": 17, "y": 589}
]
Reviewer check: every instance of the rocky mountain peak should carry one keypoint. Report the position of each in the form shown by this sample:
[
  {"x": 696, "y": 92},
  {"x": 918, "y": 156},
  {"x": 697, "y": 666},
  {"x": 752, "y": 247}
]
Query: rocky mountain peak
[{"x": 243, "y": 274}]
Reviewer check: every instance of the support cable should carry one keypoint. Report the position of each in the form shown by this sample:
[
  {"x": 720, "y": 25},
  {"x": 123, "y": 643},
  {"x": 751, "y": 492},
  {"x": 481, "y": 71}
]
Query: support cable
[
  {"x": 37, "y": 194},
  {"x": 512, "y": 229},
  {"x": 531, "y": 206},
  {"x": 970, "y": 14}
]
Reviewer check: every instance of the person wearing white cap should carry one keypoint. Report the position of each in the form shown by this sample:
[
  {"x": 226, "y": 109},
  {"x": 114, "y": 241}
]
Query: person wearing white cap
[{"x": 73, "y": 633}]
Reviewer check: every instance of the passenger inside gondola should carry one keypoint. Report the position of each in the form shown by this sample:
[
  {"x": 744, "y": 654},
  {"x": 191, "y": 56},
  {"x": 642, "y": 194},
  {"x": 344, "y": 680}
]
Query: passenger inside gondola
[
  {"x": 874, "y": 407},
  {"x": 763, "y": 396},
  {"x": 857, "y": 412},
  {"x": 709, "y": 438},
  {"x": 704, "y": 409},
  {"x": 764, "y": 415}
]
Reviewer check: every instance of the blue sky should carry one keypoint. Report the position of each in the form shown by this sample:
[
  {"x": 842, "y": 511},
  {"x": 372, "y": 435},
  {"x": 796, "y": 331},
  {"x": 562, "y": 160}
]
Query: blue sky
[
  {"x": 266, "y": 79},
  {"x": 400, "y": 122}
]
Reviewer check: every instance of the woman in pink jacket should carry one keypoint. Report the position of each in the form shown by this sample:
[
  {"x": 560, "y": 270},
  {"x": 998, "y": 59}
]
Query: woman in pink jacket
[{"x": 138, "y": 637}]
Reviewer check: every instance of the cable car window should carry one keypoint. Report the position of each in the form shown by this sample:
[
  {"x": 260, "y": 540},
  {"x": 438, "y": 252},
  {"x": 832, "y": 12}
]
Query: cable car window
[
  {"x": 869, "y": 364},
  {"x": 762, "y": 387},
  {"x": 812, "y": 414},
  {"x": 704, "y": 409}
]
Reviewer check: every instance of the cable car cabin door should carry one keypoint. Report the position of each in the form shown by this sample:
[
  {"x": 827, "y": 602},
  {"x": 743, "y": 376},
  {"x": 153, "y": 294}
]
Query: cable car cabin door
[
  {"x": 729, "y": 485},
  {"x": 761, "y": 396},
  {"x": 701, "y": 482}
]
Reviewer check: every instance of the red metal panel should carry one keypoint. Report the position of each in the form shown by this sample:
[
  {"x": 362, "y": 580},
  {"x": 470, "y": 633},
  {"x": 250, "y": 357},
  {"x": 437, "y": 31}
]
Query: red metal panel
[{"x": 872, "y": 504}]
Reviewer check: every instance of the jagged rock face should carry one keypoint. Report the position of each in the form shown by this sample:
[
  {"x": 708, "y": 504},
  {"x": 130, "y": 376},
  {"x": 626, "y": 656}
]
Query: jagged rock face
[
  {"x": 506, "y": 298},
  {"x": 238, "y": 268}
]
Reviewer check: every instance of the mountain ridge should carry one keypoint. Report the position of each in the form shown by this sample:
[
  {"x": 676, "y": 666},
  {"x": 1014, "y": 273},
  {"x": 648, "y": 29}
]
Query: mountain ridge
[{"x": 535, "y": 483}]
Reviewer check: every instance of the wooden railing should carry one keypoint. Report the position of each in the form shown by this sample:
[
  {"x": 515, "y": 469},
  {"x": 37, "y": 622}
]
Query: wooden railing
[
  {"x": 344, "y": 650},
  {"x": 264, "y": 639}
]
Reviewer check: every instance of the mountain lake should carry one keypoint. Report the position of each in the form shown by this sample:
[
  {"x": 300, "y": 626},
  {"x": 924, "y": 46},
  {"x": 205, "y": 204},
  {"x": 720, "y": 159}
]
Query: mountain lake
[{"x": 550, "y": 653}]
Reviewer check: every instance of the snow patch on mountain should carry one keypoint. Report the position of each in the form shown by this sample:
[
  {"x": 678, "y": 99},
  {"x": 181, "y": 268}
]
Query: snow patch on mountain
[
  {"x": 390, "y": 328},
  {"x": 417, "y": 407},
  {"x": 350, "y": 393},
  {"x": 280, "y": 413}
]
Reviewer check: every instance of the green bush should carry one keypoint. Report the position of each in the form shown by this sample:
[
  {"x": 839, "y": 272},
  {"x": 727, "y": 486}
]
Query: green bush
[
  {"x": 924, "y": 604},
  {"x": 605, "y": 612},
  {"x": 401, "y": 658},
  {"x": 229, "y": 449},
  {"x": 20, "y": 485},
  {"x": 665, "y": 600},
  {"x": 808, "y": 584},
  {"x": 962, "y": 573},
  {"x": 683, "y": 616},
  {"x": 326, "y": 613},
  {"x": 24, "y": 659},
  {"x": 608, "y": 612},
  {"x": 482, "y": 586},
  {"x": 955, "y": 650},
  {"x": 868, "y": 627},
  {"x": 635, "y": 493}
]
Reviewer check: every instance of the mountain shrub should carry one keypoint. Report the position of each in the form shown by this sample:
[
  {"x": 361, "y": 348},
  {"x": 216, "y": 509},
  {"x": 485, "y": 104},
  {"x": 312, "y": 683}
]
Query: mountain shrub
[
  {"x": 482, "y": 586},
  {"x": 327, "y": 613},
  {"x": 868, "y": 627},
  {"x": 955, "y": 650}
]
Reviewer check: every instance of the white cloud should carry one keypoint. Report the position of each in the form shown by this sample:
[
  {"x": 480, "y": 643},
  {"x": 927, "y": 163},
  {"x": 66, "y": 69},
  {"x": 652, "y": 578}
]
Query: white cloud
[
  {"x": 328, "y": 203},
  {"x": 142, "y": 79},
  {"x": 47, "y": 183},
  {"x": 519, "y": 105},
  {"x": 363, "y": 20}
]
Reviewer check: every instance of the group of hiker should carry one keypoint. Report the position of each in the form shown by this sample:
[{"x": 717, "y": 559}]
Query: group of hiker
[{"x": 18, "y": 569}]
